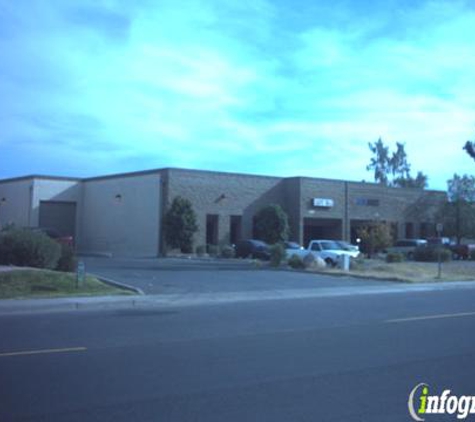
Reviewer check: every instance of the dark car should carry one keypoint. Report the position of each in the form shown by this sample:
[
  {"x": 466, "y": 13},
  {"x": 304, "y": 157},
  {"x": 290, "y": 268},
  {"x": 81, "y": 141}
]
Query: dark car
[
  {"x": 252, "y": 248},
  {"x": 440, "y": 241},
  {"x": 459, "y": 251},
  {"x": 463, "y": 251}
]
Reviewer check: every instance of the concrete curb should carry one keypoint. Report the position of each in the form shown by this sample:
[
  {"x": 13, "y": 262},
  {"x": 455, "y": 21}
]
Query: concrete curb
[
  {"x": 118, "y": 284},
  {"x": 66, "y": 304},
  {"x": 168, "y": 301},
  {"x": 372, "y": 277}
]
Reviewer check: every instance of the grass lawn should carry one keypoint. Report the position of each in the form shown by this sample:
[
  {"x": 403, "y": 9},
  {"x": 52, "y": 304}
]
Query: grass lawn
[
  {"x": 32, "y": 283},
  {"x": 411, "y": 271}
]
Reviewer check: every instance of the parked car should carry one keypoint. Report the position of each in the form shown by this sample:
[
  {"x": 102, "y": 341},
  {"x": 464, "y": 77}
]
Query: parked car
[
  {"x": 459, "y": 251},
  {"x": 293, "y": 248},
  {"x": 55, "y": 235},
  {"x": 346, "y": 246},
  {"x": 444, "y": 241},
  {"x": 462, "y": 251},
  {"x": 252, "y": 248},
  {"x": 407, "y": 247},
  {"x": 330, "y": 251}
]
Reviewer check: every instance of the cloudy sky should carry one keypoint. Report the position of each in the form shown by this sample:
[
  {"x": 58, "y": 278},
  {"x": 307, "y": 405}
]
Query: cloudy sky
[{"x": 269, "y": 87}]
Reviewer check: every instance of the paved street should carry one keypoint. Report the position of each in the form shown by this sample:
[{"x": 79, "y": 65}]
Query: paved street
[{"x": 334, "y": 358}]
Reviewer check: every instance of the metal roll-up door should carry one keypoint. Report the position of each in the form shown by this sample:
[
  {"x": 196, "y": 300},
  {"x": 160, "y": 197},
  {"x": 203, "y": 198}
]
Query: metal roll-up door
[{"x": 60, "y": 216}]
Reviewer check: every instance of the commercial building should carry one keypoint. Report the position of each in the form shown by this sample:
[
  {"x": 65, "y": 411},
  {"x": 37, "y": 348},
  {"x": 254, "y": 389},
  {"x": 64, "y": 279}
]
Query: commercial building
[{"x": 122, "y": 214}]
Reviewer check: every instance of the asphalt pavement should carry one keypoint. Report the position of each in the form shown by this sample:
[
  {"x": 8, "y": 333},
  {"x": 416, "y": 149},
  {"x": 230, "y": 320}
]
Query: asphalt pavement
[
  {"x": 184, "y": 276},
  {"x": 330, "y": 358}
]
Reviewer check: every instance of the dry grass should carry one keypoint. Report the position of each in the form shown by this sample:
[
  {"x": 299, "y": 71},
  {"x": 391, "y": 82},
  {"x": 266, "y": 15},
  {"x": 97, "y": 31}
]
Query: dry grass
[
  {"x": 30, "y": 283},
  {"x": 411, "y": 271}
]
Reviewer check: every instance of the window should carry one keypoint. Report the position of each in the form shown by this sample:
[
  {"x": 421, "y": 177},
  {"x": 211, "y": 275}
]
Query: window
[{"x": 367, "y": 202}]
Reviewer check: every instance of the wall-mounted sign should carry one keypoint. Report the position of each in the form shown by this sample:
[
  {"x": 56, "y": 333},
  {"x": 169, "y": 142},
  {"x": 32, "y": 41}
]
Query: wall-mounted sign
[{"x": 323, "y": 202}]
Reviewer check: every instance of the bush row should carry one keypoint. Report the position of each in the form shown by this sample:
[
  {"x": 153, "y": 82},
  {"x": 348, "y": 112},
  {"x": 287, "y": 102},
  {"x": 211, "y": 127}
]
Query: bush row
[
  {"x": 26, "y": 248},
  {"x": 422, "y": 254},
  {"x": 225, "y": 251},
  {"x": 431, "y": 254}
]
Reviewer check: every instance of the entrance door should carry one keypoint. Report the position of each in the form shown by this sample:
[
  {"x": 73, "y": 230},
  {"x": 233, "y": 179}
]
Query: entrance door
[
  {"x": 211, "y": 229},
  {"x": 235, "y": 229}
]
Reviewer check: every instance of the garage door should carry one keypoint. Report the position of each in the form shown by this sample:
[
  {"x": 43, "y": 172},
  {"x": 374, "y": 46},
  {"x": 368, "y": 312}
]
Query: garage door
[
  {"x": 322, "y": 228},
  {"x": 60, "y": 216}
]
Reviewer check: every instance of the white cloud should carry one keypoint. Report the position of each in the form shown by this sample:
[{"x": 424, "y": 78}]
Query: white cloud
[{"x": 232, "y": 86}]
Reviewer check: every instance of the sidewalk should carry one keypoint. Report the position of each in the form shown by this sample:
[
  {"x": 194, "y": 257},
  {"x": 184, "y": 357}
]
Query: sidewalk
[{"x": 27, "y": 306}]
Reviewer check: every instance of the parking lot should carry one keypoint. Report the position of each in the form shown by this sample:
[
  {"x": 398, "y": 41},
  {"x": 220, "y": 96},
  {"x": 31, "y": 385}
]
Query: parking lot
[{"x": 177, "y": 276}]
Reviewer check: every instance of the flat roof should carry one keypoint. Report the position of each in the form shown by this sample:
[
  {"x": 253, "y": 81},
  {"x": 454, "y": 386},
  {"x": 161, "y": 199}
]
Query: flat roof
[
  {"x": 210, "y": 172},
  {"x": 40, "y": 177}
]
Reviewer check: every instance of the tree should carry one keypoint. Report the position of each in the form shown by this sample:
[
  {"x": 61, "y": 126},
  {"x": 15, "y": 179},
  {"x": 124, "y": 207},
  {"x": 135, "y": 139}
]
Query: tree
[
  {"x": 470, "y": 149},
  {"x": 419, "y": 182},
  {"x": 375, "y": 237},
  {"x": 461, "y": 188},
  {"x": 458, "y": 213},
  {"x": 271, "y": 224},
  {"x": 380, "y": 163},
  {"x": 398, "y": 164},
  {"x": 180, "y": 225},
  {"x": 393, "y": 169}
]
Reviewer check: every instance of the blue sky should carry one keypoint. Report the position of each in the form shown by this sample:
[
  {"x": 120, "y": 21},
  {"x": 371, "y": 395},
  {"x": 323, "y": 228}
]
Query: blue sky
[{"x": 255, "y": 86}]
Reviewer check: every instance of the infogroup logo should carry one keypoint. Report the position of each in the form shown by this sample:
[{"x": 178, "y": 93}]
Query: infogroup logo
[{"x": 421, "y": 404}]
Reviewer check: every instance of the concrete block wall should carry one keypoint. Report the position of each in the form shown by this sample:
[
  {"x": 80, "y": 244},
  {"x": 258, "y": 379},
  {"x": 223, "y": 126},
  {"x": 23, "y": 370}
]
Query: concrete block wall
[
  {"x": 325, "y": 189},
  {"x": 132, "y": 224},
  {"x": 224, "y": 194},
  {"x": 396, "y": 205},
  {"x": 292, "y": 206}
]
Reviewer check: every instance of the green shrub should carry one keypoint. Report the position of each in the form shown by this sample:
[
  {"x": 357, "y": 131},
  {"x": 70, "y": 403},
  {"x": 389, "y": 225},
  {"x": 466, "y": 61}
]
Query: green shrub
[
  {"x": 430, "y": 254},
  {"x": 26, "y": 248},
  {"x": 212, "y": 250},
  {"x": 277, "y": 254},
  {"x": 271, "y": 224},
  {"x": 394, "y": 257},
  {"x": 295, "y": 262},
  {"x": 200, "y": 250},
  {"x": 375, "y": 237},
  {"x": 180, "y": 225},
  {"x": 67, "y": 261},
  {"x": 227, "y": 251},
  {"x": 6, "y": 227},
  {"x": 187, "y": 248}
]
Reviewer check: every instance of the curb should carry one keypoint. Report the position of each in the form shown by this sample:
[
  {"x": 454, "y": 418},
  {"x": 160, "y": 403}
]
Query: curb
[{"x": 118, "y": 284}]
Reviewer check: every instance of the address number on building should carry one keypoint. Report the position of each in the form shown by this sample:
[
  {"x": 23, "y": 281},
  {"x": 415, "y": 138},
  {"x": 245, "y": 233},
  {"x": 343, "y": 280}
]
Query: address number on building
[{"x": 323, "y": 202}]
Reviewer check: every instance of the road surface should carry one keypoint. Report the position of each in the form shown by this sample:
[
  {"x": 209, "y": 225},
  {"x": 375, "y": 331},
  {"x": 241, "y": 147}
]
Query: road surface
[{"x": 342, "y": 358}]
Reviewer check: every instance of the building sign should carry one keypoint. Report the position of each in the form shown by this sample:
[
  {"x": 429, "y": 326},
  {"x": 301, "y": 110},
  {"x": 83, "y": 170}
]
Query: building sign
[{"x": 323, "y": 202}]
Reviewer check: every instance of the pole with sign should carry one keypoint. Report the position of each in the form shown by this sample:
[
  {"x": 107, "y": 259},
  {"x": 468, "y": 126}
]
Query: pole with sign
[
  {"x": 80, "y": 274},
  {"x": 439, "y": 228}
]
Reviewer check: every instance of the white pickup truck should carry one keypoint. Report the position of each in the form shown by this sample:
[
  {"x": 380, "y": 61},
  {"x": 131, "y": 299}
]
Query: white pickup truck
[{"x": 329, "y": 250}]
